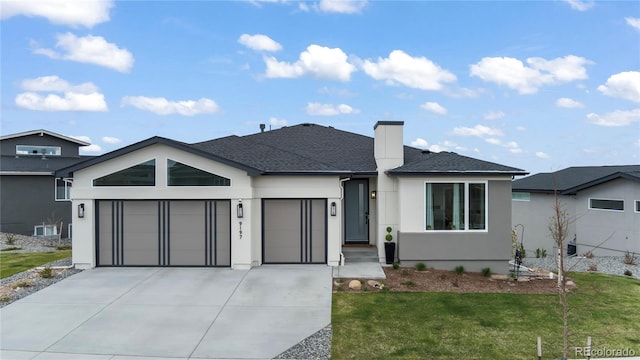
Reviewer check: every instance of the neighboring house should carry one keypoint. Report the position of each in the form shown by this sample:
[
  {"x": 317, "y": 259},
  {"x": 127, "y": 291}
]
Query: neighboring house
[
  {"x": 603, "y": 204},
  {"x": 30, "y": 193},
  {"x": 294, "y": 195}
]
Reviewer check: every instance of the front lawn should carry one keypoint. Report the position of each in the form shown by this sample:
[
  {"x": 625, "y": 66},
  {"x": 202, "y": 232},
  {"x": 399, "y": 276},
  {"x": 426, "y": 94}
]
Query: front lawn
[
  {"x": 14, "y": 263},
  {"x": 441, "y": 325}
]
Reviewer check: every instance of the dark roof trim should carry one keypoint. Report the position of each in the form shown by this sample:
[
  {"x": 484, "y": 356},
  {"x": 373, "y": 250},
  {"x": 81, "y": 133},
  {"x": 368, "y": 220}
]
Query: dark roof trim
[
  {"x": 602, "y": 180},
  {"x": 308, "y": 172},
  {"x": 455, "y": 172},
  {"x": 400, "y": 123},
  {"x": 66, "y": 172},
  {"x": 42, "y": 132}
]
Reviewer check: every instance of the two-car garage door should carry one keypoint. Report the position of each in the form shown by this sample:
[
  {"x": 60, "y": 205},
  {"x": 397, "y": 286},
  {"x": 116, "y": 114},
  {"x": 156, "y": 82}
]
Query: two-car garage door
[{"x": 163, "y": 233}]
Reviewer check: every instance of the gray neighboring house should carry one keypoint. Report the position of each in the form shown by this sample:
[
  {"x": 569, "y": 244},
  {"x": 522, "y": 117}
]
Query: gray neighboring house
[
  {"x": 29, "y": 191},
  {"x": 295, "y": 195},
  {"x": 602, "y": 201}
]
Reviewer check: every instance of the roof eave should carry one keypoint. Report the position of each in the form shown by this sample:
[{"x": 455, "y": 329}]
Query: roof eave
[
  {"x": 42, "y": 132},
  {"x": 455, "y": 172}
]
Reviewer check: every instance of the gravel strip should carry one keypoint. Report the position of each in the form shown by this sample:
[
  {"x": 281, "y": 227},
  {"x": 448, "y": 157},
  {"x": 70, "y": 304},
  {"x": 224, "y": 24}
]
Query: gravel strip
[
  {"x": 315, "y": 347},
  {"x": 613, "y": 265}
]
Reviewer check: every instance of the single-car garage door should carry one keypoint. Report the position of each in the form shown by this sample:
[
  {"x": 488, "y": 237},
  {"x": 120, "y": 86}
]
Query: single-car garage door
[
  {"x": 163, "y": 233},
  {"x": 294, "y": 231}
]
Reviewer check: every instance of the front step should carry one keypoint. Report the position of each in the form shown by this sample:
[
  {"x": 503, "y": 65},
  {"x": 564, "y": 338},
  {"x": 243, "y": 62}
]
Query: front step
[{"x": 360, "y": 254}]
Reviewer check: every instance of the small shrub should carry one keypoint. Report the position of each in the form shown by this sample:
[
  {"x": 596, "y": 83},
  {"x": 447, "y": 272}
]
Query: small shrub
[
  {"x": 592, "y": 267},
  {"x": 421, "y": 267},
  {"x": 486, "y": 272},
  {"x": 396, "y": 266},
  {"x": 404, "y": 272},
  {"x": 541, "y": 253},
  {"x": 588, "y": 254},
  {"x": 629, "y": 258},
  {"x": 408, "y": 283},
  {"x": 5, "y": 298},
  {"x": 64, "y": 247},
  {"x": 10, "y": 239},
  {"x": 11, "y": 248},
  {"x": 339, "y": 288},
  {"x": 628, "y": 272},
  {"x": 46, "y": 273},
  {"x": 21, "y": 284},
  {"x": 339, "y": 280},
  {"x": 365, "y": 288},
  {"x": 459, "y": 269}
]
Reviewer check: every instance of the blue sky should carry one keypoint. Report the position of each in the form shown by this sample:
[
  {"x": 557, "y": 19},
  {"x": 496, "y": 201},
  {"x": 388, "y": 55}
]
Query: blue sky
[{"x": 539, "y": 85}]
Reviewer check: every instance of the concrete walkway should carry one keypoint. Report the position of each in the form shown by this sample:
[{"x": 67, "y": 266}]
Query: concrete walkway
[{"x": 179, "y": 313}]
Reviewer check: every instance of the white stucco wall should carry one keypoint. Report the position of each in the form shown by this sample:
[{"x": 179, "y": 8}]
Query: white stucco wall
[{"x": 246, "y": 233}]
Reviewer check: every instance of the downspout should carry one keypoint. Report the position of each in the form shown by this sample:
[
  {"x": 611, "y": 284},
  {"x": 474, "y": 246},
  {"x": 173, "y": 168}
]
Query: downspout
[{"x": 341, "y": 223}]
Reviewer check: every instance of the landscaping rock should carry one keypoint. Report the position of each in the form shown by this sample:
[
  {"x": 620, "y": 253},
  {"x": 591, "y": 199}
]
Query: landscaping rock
[
  {"x": 375, "y": 284},
  {"x": 355, "y": 285}
]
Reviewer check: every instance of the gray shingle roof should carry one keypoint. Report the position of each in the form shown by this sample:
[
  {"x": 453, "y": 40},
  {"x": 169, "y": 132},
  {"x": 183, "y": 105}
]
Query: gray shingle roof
[
  {"x": 448, "y": 163},
  {"x": 313, "y": 149},
  {"x": 37, "y": 164},
  {"x": 570, "y": 180}
]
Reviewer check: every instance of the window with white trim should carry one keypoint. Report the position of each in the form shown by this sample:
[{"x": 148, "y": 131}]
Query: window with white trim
[
  {"x": 38, "y": 150},
  {"x": 606, "y": 204},
  {"x": 63, "y": 190},
  {"x": 520, "y": 196},
  {"x": 460, "y": 206}
]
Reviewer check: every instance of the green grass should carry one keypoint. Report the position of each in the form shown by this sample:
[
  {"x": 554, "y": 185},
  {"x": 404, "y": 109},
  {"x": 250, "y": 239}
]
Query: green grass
[
  {"x": 484, "y": 326},
  {"x": 11, "y": 264}
]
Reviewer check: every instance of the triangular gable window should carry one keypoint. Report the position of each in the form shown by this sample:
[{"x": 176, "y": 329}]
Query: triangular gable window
[
  {"x": 139, "y": 175},
  {"x": 179, "y": 174}
]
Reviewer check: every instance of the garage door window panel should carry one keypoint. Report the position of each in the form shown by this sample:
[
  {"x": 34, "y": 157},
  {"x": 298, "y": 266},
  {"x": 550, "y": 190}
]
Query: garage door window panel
[
  {"x": 143, "y": 174},
  {"x": 179, "y": 174}
]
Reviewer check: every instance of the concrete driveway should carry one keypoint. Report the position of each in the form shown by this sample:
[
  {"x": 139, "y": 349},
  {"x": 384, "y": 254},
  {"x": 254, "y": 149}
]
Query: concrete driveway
[{"x": 183, "y": 313}]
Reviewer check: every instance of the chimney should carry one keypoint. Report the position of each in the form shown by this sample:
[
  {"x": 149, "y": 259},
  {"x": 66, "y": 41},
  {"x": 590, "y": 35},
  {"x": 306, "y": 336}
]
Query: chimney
[
  {"x": 388, "y": 144},
  {"x": 262, "y": 126}
]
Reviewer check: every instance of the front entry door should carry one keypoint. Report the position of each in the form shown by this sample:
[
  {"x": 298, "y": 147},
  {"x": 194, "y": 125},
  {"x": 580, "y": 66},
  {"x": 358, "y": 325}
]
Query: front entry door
[{"x": 356, "y": 211}]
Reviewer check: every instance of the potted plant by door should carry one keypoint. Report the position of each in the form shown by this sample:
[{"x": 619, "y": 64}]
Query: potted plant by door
[{"x": 389, "y": 247}]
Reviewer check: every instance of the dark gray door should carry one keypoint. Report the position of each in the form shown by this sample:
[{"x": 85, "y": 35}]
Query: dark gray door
[
  {"x": 163, "y": 233},
  {"x": 356, "y": 211},
  {"x": 294, "y": 231}
]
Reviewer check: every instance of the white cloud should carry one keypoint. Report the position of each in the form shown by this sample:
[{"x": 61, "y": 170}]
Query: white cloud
[
  {"x": 342, "y": 6},
  {"x": 580, "y": 5},
  {"x": 110, "y": 140},
  {"x": 493, "y": 115},
  {"x": 512, "y": 146},
  {"x": 616, "y": 118},
  {"x": 521, "y": 128},
  {"x": 85, "y": 13},
  {"x": 69, "y": 102},
  {"x": 624, "y": 85},
  {"x": 434, "y": 107},
  {"x": 83, "y": 97},
  {"x": 81, "y": 138},
  {"x": 162, "y": 106},
  {"x": 478, "y": 130},
  {"x": 568, "y": 103},
  {"x": 318, "y": 61},
  {"x": 55, "y": 83},
  {"x": 277, "y": 122},
  {"x": 633, "y": 22},
  {"x": 514, "y": 74},
  {"x": 542, "y": 155},
  {"x": 421, "y": 143},
  {"x": 259, "y": 42},
  {"x": 93, "y": 148},
  {"x": 414, "y": 72},
  {"x": 89, "y": 49},
  {"x": 317, "y": 109}
]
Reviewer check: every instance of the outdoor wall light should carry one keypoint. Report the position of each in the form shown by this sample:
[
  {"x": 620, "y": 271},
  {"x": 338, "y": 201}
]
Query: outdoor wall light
[
  {"x": 240, "y": 210},
  {"x": 334, "y": 209},
  {"x": 81, "y": 211},
  {"x": 374, "y": 194}
]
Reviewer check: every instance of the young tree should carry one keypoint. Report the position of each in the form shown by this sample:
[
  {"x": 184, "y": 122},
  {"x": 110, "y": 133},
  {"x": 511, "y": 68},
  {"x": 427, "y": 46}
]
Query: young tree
[{"x": 558, "y": 229}]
